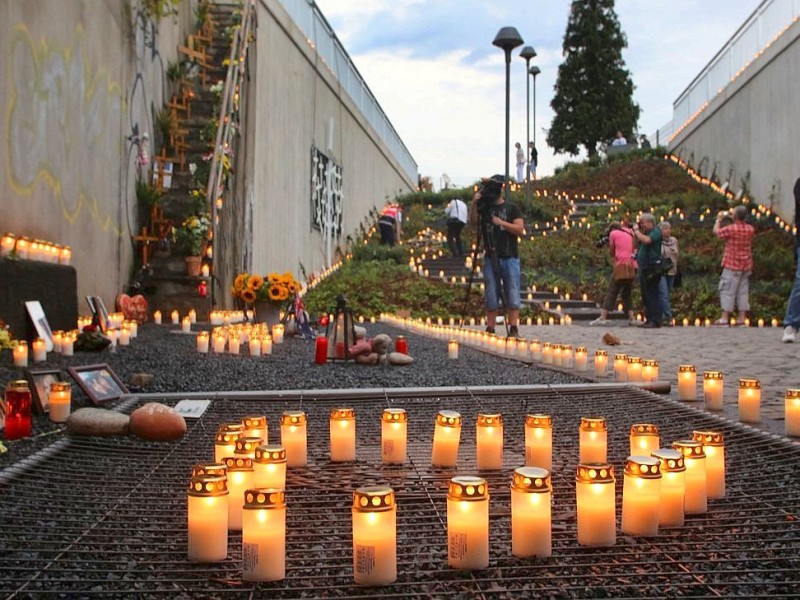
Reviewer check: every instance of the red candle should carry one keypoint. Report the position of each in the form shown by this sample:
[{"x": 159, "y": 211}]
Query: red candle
[
  {"x": 18, "y": 410},
  {"x": 339, "y": 349},
  {"x": 401, "y": 344},
  {"x": 321, "y": 355}
]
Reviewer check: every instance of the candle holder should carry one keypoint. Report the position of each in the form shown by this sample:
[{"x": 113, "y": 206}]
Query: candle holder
[
  {"x": 203, "y": 342},
  {"x": 547, "y": 353},
  {"x": 452, "y": 350},
  {"x": 694, "y": 457},
  {"x": 225, "y": 442},
  {"x": 17, "y": 410},
  {"x": 490, "y": 441},
  {"x": 39, "y": 350},
  {"x": 644, "y": 439},
  {"x": 340, "y": 332},
  {"x": 245, "y": 447},
  {"x": 343, "y": 434},
  {"x": 593, "y": 440},
  {"x": 531, "y": 529},
  {"x": 539, "y": 441},
  {"x": 60, "y": 401},
  {"x": 269, "y": 467},
  {"x": 256, "y": 426},
  {"x": 714, "y": 447},
  {"x": 634, "y": 369},
  {"x": 446, "y": 438},
  {"x": 567, "y": 356},
  {"x": 210, "y": 470},
  {"x": 791, "y": 403},
  {"x": 401, "y": 344},
  {"x": 594, "y": 491},
  {"x": 713, "y": 389},
  {"x": 750, "y": 400},
  {"x": 641, "y": 495},
  {"x": 208, "y": 519},
  {"x": 468, "y": 523},
  {"x": 374, "y": 536},
  {"x": 264, "y": 535},
  {"x": 581, "y": 359},
  {"x": 536, "y": 350},
  {"x": 650, "y": 371},
  {"x": 294, "y": 438},
  {"x": 673, "y": 487},
  {"x": 240, "y": 478},
  {"x": 687, "y": 382},
  {"x": 21, "y": 354},
  {"x": 394, "y": 426},
  {"x": 620, "y": 367},
  {"x": 600, "y": 363}
]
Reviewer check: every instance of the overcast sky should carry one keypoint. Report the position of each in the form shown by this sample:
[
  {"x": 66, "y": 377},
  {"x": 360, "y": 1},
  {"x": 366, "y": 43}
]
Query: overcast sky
[{"x": 432, "y": 67}]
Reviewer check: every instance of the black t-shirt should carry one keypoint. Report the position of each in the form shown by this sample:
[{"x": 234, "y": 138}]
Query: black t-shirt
[{"x": 504, "y": 242}]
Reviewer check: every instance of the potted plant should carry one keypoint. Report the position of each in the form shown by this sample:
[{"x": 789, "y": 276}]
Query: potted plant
[
  {"x": 190, "y": 239},
  {"x": 264, "y": 294}
]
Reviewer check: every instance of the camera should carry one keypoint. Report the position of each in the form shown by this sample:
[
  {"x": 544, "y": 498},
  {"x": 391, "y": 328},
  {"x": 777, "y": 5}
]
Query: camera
[
  {"x": 490, "y": 190},
  {"x": 601, "y": 241}
]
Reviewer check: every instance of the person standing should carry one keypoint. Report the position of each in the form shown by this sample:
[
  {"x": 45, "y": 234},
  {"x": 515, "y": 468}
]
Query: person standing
[
  {"x": 457, "y": 216},
  {"x": 791, "y": 320},
  {"x": 737, "y": 264},
  {"x": 533, "y": 161},
  {"x": 648, "y": 256},
  {"x": 520, "y": 162},
  {"x": 620, "y": 246},
  {"x": 619, "y": 140},
  {"x": 644, "y": 143},
  {"x": 669, "y": 249},
  {"x": 500, "y": 225},
  {"x": 390, "y": 224}
]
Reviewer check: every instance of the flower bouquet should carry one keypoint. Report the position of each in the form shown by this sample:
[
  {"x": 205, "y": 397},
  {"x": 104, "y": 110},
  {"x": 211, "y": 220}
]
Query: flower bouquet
[
  {"x": 272, "y": 290},
  {"x": 192, "y": 234}
]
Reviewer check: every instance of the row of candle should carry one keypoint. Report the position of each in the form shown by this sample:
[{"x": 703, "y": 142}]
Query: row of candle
[
  {"x": 63, "y": 343},
  {"x": 28, "y": 249},
  {"x": 16, "y": 406},
  {"x": 257, "y": 337}
]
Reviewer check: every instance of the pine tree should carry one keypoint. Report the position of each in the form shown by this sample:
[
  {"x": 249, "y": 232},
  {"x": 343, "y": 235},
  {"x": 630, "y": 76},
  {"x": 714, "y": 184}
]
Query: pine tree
[{"x": 594, "y": 90}]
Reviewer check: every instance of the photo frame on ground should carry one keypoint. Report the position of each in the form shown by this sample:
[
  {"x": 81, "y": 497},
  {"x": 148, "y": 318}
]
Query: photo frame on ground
[
  {"x": 36, "y": 314},
  {"x": 99, "y": 312},
  {"x": 98, "y": 382},
  {"x": 40, "y": 382}
]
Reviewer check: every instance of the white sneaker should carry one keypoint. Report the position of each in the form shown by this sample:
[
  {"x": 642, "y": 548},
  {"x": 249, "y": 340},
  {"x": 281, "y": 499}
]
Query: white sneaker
[
  {"x": 599, "y": 321},
  {"x": 788, "y": 334}
]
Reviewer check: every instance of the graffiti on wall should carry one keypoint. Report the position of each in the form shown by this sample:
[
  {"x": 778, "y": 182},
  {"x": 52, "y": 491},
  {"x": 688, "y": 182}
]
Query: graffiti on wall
[
  {"x": 63, "y": 123},
  {"x": 326, "y": 198}
]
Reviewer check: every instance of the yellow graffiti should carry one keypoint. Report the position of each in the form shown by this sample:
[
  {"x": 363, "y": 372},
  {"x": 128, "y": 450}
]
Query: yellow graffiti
[{"x": 63, "y": 127}]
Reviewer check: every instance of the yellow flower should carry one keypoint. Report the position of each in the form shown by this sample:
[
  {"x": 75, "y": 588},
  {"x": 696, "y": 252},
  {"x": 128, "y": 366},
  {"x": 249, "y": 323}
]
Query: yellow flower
[
  {"x": 283, "y": 293},
  {"x": 274, "y": 293},
  {"x": 292, "y": 287},
  {"x": 249, "y": 296},
  {"x": 274, "y": 278},
  {"x": 255, "y": 282},
  {"x": 240, "y": 281}
]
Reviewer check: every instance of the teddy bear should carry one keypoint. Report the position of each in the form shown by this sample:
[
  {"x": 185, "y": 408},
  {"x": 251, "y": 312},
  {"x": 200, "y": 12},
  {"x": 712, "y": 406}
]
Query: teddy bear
[{"x": 376, "y": 351}]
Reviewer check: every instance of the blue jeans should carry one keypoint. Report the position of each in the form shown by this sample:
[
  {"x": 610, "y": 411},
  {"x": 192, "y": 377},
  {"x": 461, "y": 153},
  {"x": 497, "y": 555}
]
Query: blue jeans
[
  {"x": 509, "y": 275},
  {"x": 793, "y": 310},
  {"x": 664, "y": 288}
]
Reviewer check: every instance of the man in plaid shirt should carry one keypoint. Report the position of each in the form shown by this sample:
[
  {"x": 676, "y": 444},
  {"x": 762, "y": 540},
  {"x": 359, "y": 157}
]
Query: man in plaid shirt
[{"x": 737, "y": 263}]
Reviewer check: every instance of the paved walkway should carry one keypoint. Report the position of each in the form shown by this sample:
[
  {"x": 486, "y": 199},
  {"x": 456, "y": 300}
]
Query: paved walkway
[{"x": 739, "y": 352}]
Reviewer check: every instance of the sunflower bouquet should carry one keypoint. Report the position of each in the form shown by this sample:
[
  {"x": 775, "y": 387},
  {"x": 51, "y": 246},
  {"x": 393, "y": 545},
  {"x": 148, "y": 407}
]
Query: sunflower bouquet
[{"x": 275, "y": 288}]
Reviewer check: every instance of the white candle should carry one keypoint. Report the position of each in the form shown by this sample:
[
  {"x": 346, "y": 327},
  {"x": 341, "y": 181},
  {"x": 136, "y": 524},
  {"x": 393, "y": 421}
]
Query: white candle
[
  {"x": 293, "y": 438},
  {"x": 245, "y": 446},
  {"x": 269, "y": 467},
  {"x": 673, "y": 487},
  {"x": 343, "y": 434},
  {"x": 21, "y": 354},
  {"x": 60, "y": 401},
  {"x": 490, "y": 441},
  {"x": 7, "y": 244},
  {"x": 255, "y": 347},
  {"x": 539, "y": 441},
  {"x": 594, "y": 491},
  {"x": 225, "y": 441},
  {"x": 567, "y": 356},
  {"x": 157, "y": 317},
  {"x": 713, "y": 389},
  {"x": 593, "y": 440},
  {"x": 208, "y": 519},
  {"x": 452, "y": 349},
  {"x": 219, "y": 342},
  {"x": 600, "y": 363},
  {"x": 192, "y": 316},
  {"x": 634, "y": 370},
  {"x": 791, "y": 409},
  {"x": 39, "y": 350},
  {"x": 22, "y": 248},
  {"x": 556, "y": 350},
  {"x": 68, "y": 343},
  {"x": 264, "y": 535},
  {"x": 714, "y": 447},
  {"x": 620, "y": 367},
  {"x": 687, "y": 382},
  {"x": 233, "y": 342},
  {"x": 536, "y": 351},
  {"x": 696, "y": 499},
  {"x": 446, "y": 438},
  {"x": 374, "y": 536},
  {"x": 266, "y": 345},
  {"x": 186, "y": 324},
  {"x": 175, "y": 317},
  {"x": 393, "y": 436},
  {"x": 277, "y": 333},
  {"x": 749, "y": 400},
  {"x": 641, "y": 495},
  {"x": 649, "y": 371},
  {"x": 547, "y": 353},
  {"x": 124, "y": 336},
  {"x": 468, "y": 523},
  {"x": 581, "y": 358},
  {"x": 58, "y": 336},
  {"x": 65, "y": 255},
  {"x": 240, "y": 478},
  {"x": 256, "y": 426},
  {"x": 531, "y": 527},
  {"x": 644, "y": 439},
  {"x": 202, "y": 342}
]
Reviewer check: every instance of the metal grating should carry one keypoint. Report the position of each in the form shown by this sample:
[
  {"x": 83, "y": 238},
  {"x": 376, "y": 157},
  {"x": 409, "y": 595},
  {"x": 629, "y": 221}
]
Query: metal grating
[{"x": 108, "y": 516}]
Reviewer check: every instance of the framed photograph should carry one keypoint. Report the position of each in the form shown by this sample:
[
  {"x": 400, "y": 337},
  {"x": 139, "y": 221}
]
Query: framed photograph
[
  {"x": 99, "y": 312},
  {"x": 40, "y": 387},
  {"x": 36, "y": 313},
  {"x": 99, "y": 382}
]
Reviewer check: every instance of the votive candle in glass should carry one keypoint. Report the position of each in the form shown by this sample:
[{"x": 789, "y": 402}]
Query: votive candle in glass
[
  {"x": 17, "y": 410},
  {"x": 7, "y": 244},
  {"x": 219, "y": 341},
  {"x": 650, "y": 371},
  {"x": 293, "y": 438},
  {"x": 556, "y": 349},
  {"x": 266, "y": 345},
  {"x": 714, "y": 447},
  {"x": 547, "y": 353},
  {"x": 673, "y": 488},
  {"x": 713, "y": 389},
  {"x": 539, "y": 441},
  {"x": 210, "y": 470},
  {"x": 401, "y": 344},
  {"x": 175, "y": 317},
  {"x": 446, "y": 438},
  {"x": 39, "y": 350},
  {"x": 208, "y": 519},
  {"x": 269, "y": 467},
  {"x": 536, "y": 350},
  {"x": 531, "y": 520},
  {"x": 240, "y": 478},
  {"x": 644, "y": 439},
  {"x": 634, "y": 370},
  {"x": 321, "y": 350},
  {"x": 68, "y": 343},
  {"x": 468, "y": 523},
  {"x": 581, "y": 358},
  {"x": 567, "y": 356},
  {"x": 490, "y": 441},
  {"x": 264, "y": 534},
  {"x": 620, "y": 367},
  {"x": 202, "y": 342},
  {"x": 234, "y": 342},
  {"x": 277, "y": 333},
  {"x": 21, "y": 354},
  {"x": 749, "y": 400},
  {"x": 258, "y": 427},
  {"x": 225, "y": 441},
  {"x": 641, "y": 495},
  {"x": 186, "y": 324},
  {"x": 791, "y": 409},
  {"x": 157, "y": 317},
  {"x": 374, "y": 536},
  {"x": 60, "y": 401},
  {"x": 687, "y": 382},
  {"x": 245, "y": 446},
  {"x": 593, "y": 440},
  {"x": 596, "y": 507},
  {"x": 343, "y": 434},
  {"x": 58, "y": 336},
  {"x": 452, "y": 349},
  {"x": 694, "y": 457},
  {"x": 394, "y": 428},
  {"x": 600, "y": 363}
]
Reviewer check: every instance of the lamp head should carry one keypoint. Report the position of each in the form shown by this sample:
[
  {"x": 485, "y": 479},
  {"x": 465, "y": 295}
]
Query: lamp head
[
  {"x": 527, "y": 53},
  {"x": 507, "y": 38},
  {"x": 535, "y": 71}
]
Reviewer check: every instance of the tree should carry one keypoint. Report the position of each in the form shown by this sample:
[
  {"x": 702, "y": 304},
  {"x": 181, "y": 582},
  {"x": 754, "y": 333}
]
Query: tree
[{"x": 594, "y": 90}]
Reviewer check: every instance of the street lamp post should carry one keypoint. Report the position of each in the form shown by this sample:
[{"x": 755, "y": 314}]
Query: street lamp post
[
  {"x": 507, "y": 38},
  {"x": 534, "y": 71},
  {"x": 528, "y": 53}
]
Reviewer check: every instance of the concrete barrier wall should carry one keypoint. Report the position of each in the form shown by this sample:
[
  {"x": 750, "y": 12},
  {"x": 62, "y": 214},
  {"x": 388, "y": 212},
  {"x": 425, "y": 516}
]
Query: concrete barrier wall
[
  {"x": 752, "y": 128},
  {"x": 77, "y": 77}
]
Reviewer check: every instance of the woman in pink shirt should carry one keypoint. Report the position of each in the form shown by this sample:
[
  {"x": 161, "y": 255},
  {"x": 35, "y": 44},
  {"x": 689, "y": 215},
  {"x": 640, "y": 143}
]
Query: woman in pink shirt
[{"x": 621, "y": 248}]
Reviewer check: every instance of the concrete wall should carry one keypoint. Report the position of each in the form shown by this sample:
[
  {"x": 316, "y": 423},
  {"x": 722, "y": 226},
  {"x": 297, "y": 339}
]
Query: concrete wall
[
  {"x": 753, "y": 127},
  {"x": 76, "y": 77}
]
